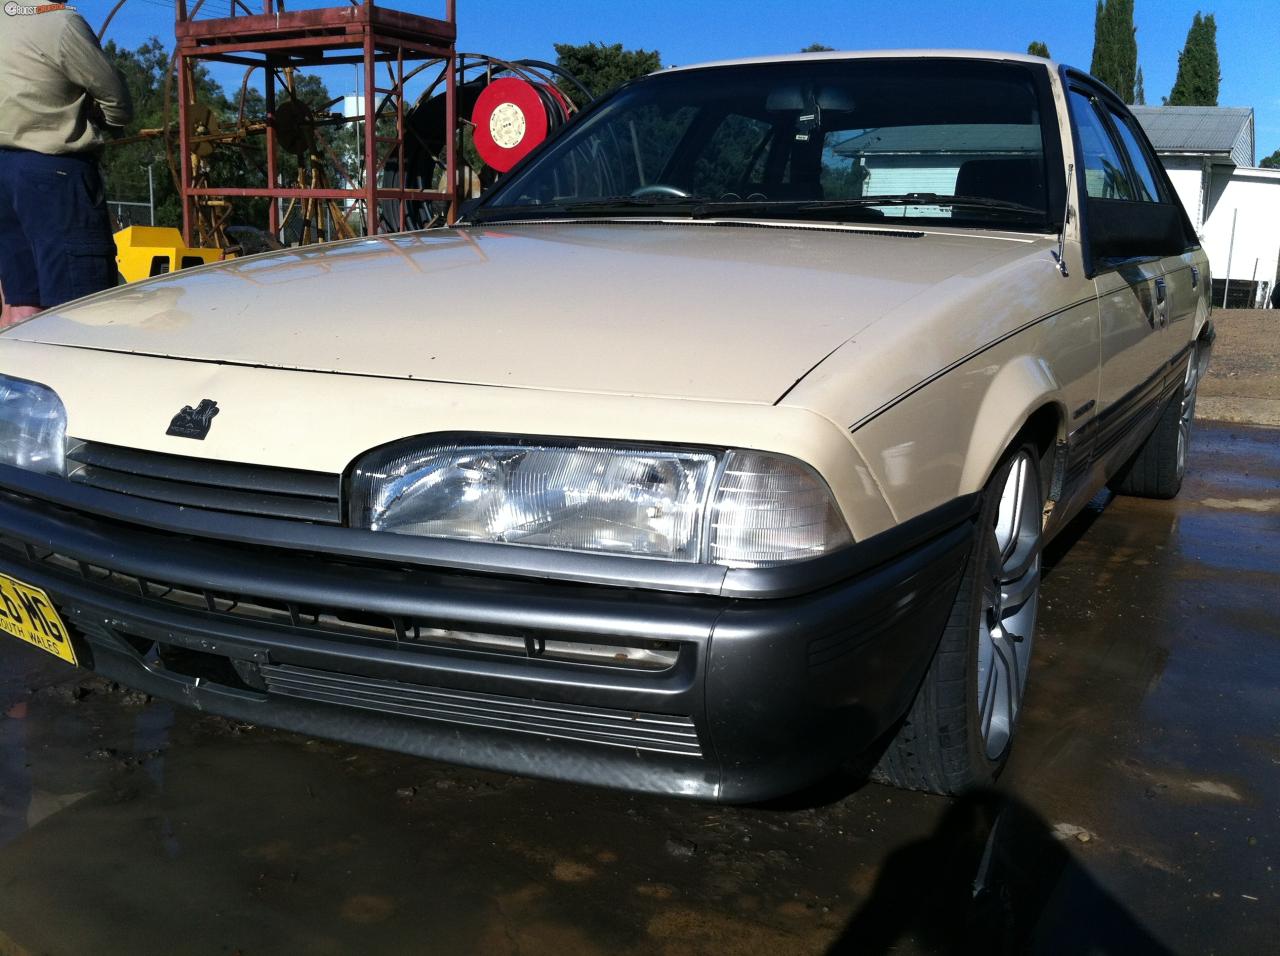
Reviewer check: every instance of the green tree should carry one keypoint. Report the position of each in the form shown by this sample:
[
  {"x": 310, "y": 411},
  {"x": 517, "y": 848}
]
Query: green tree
[
  {"x": 818, "y": 48},
  {"x": 1272, "y": 161},
  {"x": 145, "y": 72},
  {"x": 602, "y": 67},
  {"x": 1139, "y": 90},
  {"x": 1115, "y": 46},
  {"x": 1198, "y": 76},
  {"x": 1038, "y": 48}
]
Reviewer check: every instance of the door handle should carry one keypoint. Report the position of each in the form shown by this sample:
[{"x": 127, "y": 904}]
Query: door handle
[{"x": 1162, "y": 302}]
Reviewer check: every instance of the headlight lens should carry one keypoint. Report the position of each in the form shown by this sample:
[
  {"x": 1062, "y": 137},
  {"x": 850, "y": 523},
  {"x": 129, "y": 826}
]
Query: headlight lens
[
  {"x": 33, "y": 427},
  {"x": 762, "y": 509},
  {"x": 576, "y": 498}
]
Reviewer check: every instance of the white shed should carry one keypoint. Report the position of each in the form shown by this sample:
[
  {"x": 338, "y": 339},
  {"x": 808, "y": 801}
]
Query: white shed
[{"x": 1208, "y": 152}]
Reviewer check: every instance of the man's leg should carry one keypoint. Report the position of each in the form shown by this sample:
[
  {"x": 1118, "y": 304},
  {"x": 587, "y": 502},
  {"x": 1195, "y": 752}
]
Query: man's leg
[
  {"x": 63, "y": 212},
  {"x": 19, "y": 280}
]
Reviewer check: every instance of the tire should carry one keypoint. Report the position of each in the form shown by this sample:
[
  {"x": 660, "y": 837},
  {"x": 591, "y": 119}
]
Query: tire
[
  {"x": 953, "y": 738},
  {"x": 1156, "y": 471}
]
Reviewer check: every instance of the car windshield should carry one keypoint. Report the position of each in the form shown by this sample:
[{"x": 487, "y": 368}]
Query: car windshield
[{"x": 947, "y": 140}]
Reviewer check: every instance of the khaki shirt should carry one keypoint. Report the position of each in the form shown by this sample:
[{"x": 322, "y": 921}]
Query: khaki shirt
[{"x": 56, "y": 85}]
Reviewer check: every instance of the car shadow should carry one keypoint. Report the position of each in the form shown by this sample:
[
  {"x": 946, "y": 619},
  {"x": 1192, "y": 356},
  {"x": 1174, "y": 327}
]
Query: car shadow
[
  {"x": 1073, "y": 531},
  {"x": 991, "y": 878}
]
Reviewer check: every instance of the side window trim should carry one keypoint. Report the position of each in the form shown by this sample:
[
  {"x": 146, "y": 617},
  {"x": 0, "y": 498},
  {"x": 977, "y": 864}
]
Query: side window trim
[
  {"x": 1130, "y": 122},
  {"x": 1076, "y": 82},
  {"x": 1168, "y": 194},
  {"x": 1072, "y": 79},
  {"x": 1102, "y": 110}
]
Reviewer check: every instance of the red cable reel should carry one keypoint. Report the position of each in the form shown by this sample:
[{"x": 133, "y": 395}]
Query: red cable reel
[{"x": 513, "y": 116}]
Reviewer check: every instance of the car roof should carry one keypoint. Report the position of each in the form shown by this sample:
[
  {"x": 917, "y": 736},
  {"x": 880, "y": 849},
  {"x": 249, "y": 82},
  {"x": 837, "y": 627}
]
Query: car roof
[{"x": 874, "y": 55}]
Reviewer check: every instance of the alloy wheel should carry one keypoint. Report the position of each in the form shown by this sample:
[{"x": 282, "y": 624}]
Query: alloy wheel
[
  {"x": 1010, "y": 594},
  {"x": 1188, "y": 411}
]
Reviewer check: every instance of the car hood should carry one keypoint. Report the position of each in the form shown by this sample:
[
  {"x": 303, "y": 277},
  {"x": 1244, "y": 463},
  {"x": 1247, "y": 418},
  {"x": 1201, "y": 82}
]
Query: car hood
[{"x": 730, "y": 312}]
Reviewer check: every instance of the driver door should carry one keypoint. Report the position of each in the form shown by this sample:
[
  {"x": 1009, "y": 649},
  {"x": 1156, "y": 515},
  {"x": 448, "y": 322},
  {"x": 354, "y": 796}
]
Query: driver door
[{"x": 1133, "y": 294}]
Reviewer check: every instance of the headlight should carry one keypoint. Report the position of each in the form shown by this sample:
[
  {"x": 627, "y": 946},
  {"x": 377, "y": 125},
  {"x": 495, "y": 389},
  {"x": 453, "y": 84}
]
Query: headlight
[
  {"x": 33, "y": 427},
  {"x": 736, "y": 508}
]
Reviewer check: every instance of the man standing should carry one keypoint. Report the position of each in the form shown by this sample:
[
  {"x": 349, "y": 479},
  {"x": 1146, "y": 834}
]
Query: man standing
[{"x": 58, "y": 95}]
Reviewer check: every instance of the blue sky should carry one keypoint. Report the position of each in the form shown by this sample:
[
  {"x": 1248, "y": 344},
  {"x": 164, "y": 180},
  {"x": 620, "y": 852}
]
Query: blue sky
[{"x": 687, "y": 31}]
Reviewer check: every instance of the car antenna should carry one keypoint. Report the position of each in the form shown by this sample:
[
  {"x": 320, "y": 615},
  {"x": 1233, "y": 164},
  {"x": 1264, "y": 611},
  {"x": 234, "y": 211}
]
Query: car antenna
[{"x": 1059, "y": 255}]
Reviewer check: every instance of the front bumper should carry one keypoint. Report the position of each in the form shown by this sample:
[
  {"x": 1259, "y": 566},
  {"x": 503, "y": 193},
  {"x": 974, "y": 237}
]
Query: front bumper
[{"x": 748, "y": 700}]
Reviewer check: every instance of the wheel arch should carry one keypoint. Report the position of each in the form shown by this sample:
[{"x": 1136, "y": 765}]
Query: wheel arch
[{"x": 1024, "y": 401}]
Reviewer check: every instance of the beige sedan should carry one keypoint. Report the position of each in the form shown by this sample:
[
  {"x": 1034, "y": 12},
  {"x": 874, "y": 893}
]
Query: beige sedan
[{"x": 712, "y": 452}]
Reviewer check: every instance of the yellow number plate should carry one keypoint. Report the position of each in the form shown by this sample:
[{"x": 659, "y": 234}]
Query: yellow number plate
[{"x": 27, "y": 613}]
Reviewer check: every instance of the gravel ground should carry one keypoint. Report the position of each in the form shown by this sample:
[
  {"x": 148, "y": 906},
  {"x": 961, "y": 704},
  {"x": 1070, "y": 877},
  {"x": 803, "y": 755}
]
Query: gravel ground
[{"x": 1243, "y": 383}]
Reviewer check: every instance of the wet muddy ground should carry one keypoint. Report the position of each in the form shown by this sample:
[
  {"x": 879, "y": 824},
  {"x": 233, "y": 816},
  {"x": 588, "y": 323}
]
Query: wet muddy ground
[{"x": 1138, "y": 813}]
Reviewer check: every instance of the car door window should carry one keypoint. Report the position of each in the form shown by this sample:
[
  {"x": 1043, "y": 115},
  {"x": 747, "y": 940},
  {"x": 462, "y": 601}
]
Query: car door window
[
  {"x": 1148, "y": 191},
  {"x": 1105, "y": 175}
]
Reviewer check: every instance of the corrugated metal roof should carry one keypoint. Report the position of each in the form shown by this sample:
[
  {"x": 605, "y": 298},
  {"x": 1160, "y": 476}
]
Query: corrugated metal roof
[{"x": 1211, "y": 130}]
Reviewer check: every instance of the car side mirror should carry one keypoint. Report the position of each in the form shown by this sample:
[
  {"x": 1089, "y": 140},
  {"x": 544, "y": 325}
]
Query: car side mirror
[{"x": 1121, "y": 229}]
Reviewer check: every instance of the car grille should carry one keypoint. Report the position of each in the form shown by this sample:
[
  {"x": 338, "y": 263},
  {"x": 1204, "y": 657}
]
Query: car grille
[
  {"x": 661, "y": 733},
  {"x": 207, "y": 484}
]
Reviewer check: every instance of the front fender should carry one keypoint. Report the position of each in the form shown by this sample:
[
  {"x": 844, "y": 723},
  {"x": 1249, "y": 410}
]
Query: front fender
[
  {"x": 1019, "y": 390},
  {"x": 943, "y": 440}
]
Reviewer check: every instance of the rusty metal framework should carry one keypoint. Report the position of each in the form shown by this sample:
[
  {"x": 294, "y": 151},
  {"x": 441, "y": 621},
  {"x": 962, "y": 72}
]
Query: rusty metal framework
[{"x": 278, "y": 42}]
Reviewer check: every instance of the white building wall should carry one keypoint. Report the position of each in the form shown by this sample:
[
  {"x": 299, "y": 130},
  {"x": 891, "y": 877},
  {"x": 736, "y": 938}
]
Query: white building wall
[
  {"x": 893, "y": 176},
  {"x": 1252, "y": 198},
  {"x": 1186, "y": 174}
]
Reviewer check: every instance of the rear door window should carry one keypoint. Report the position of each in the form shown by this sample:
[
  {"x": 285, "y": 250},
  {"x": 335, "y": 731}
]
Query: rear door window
[{"x": 1147, "y": 185}]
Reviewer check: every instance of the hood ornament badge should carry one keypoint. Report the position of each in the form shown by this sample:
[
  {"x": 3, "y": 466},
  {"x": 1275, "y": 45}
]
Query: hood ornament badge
[{"x": 194, "y": 422}]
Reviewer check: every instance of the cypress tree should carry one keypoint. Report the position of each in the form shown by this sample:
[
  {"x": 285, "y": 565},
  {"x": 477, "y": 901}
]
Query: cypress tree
[
  {"x": 1198, "y": 75},
  {"x": 1102, "y": 52},
  {"x": 1139, "y": 90},
  {"x": 1038, "y": 48},
  {"x": 1115, "y": 46}
]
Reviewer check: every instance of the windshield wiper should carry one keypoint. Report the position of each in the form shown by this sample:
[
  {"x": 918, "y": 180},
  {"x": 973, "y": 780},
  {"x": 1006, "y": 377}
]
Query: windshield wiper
[
  {"x": 587, "y": 207},
  {"x": 920, "y": 199}
]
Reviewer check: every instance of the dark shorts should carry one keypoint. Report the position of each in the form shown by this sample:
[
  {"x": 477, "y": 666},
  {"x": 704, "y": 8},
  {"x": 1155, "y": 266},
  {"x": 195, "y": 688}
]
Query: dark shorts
[{"x": 55, "y": 233}]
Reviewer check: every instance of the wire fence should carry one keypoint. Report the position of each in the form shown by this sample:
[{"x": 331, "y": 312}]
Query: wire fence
[{"x": 132, "y": 213}]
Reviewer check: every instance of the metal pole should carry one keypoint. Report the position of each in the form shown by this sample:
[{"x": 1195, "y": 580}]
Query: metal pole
[
  {"x": 269, "y": 91},
  {"x": 451, "y": 119},
  {"x": 404, "y": 173},
  {"x": 151, "y": 190},
  {"x": 358, "y": 158},
  {"x": 1226, "y": 285},
  {"x": 184, "y": 152},
  {"x": 370, "y": 135}
]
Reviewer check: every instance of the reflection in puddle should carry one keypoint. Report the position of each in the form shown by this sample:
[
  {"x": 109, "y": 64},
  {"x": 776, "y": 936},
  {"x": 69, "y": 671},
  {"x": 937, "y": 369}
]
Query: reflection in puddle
[
  {"x": 37, "y": 779},
  {"x": 15, "y": 779},
  {"x": 150, "y": 741}
]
